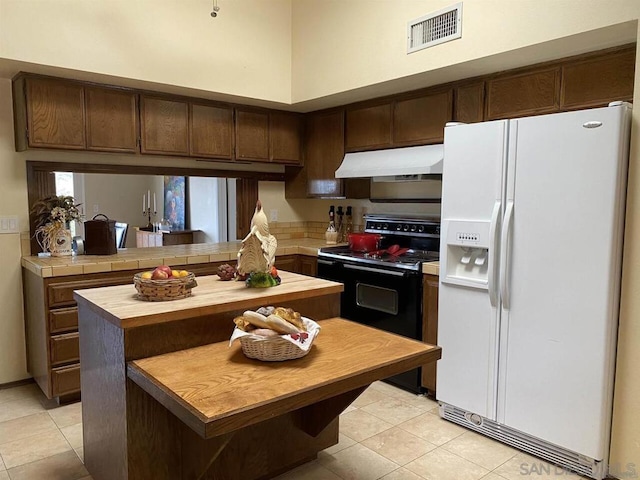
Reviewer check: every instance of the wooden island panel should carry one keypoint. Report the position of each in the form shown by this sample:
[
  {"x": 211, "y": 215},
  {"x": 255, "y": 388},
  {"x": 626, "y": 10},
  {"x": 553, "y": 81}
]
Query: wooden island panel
[
  {"x": 273, "y": 414},
  {"x": 116, "y": 328}
]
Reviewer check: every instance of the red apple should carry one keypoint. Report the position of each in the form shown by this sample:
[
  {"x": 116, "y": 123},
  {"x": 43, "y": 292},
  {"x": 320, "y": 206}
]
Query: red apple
[
  {"x": 165, "y": 269},
  {"x": 159, "y": 274}
]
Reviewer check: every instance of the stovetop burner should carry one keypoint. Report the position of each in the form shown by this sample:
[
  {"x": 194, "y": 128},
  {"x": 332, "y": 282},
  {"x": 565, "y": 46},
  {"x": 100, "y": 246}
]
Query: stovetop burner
[
  {"x": 411, "y": 260},
  {"x": 417, "y": 237}
]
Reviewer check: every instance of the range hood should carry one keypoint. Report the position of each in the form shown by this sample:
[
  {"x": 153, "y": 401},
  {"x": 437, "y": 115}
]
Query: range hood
[{"x": 401, "y": 163}]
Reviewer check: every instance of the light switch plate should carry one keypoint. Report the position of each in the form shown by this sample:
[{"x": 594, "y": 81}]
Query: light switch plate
[
  {"x": 9, "y": 224},
  {"x": 273, "y": 215}
]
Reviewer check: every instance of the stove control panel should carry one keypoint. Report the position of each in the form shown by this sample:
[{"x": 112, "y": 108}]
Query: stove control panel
[{"x": 404, "y": 227}]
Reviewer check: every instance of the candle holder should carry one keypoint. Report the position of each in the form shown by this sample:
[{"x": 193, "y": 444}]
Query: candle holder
[
  {"x": 146, "y": 208},
  {"x": 147, "y": 213}
]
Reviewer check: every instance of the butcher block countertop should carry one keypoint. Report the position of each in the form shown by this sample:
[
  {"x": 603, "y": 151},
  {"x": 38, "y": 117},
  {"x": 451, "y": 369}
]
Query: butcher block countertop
[
  {"x": 345, "y": 356},
  {"x": 120, "y": 306},
  {"x": 141, "y": 258}
]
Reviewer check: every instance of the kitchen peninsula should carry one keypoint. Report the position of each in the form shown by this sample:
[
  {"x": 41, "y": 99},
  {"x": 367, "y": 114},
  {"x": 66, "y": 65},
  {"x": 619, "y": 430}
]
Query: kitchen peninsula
[
  {"x": 51, "y": 315},
  {"x": 188, "y": 406}
]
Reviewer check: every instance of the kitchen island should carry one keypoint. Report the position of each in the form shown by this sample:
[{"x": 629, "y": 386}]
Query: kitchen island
[{"x": 165, "y": 397}]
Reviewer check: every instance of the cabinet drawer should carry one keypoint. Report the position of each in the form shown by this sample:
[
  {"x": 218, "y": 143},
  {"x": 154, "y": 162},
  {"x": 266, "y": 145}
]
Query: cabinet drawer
[
  {"x": 65, "y": 380},
  {"x": 61, "y": 294},
  {"x": 64, "y": 349},
  {"x": 63, "y": 320}
]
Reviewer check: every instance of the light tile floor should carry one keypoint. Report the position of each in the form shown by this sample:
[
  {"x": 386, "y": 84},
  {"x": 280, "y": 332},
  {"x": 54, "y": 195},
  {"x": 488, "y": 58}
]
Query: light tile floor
[{"x": 386, "y": 434}]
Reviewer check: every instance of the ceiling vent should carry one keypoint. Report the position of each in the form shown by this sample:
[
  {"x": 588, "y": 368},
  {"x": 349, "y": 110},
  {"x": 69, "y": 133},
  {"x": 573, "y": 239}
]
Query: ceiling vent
[{"x": 437, "y": 27}]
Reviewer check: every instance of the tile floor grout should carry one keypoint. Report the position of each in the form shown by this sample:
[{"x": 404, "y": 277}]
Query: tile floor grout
[{"x": 30, "y": 460}]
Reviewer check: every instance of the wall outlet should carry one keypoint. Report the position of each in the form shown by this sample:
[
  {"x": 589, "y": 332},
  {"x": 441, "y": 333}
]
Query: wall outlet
[
  {"x": 9, "y": 224},
  {"x": 96, "y": 208},
  {"x": 273, "y": 215}
]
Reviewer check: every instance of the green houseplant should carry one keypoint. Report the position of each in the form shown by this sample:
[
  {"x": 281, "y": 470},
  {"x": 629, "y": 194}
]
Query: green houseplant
[{"x": 52, "y": 216}]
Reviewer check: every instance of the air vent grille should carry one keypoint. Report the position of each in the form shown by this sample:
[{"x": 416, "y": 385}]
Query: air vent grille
[
  {"x": 437, "y": 27},
  {"x": 552, "y": 453}
]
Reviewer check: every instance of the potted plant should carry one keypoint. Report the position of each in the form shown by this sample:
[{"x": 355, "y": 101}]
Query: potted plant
[{"x": 53, "y": 216}]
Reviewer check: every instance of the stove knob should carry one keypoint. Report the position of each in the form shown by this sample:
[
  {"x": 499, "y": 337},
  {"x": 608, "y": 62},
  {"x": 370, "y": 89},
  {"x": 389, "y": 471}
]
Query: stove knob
[
  {"x": 379, "y": 226},
  {"x": 385, "y": 226},
  {"x": 421, "y": 228},
  {"x": 405, "y": 227},
  {"x": 413, "y": 228},
  {"x": 399, "y": 227}
]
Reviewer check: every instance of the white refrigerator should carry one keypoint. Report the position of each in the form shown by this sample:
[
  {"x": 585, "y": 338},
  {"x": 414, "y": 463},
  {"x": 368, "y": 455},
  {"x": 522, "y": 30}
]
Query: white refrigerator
[{"x": 530, "y": 265}]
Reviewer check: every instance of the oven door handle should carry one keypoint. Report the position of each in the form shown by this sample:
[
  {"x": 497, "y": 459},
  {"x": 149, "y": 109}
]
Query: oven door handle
[
  {"x": 327, "y": 262},
  {"x": 375, "y": 270}
]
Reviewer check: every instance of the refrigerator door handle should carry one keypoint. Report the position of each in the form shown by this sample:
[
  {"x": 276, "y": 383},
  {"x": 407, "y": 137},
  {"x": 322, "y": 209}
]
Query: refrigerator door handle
[
  {"x": 493, "y": 254},
  {"x": 504, "y": 242}
]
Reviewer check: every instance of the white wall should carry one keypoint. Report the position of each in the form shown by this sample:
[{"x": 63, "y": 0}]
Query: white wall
[
  {"x": 245, "y": 51},
  {"x": 348, "y": 46},
  {"x": 206, "y": 211},
  {"x": 13, "y": 183},
  {"x": 119, "y": 197}
]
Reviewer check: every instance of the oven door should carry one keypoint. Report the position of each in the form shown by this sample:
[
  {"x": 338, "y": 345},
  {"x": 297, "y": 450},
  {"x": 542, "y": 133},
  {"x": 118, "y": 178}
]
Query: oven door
[{"x": 390, "y": 300}]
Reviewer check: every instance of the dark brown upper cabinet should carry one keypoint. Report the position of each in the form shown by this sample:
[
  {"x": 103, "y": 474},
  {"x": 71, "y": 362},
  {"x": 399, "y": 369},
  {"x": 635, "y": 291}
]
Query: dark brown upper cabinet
[
  {"x": 415, "y": 119},
  {"x": 49, "y": 113},
  {"x": 112, "y": 120},
  {"x": 594, "y": 82},
  {"x": 164, "y": 126},
  {"x": 285, "y": 138},
  {"x": 211, "y": 131},
  {"x": 323, "y": 153},
  {"x": 421, "y": 120},
  {"x": 528, "y": 93},
  {"x": 252, "y": 135},
  {"x": 368, "y": 127},
  {"x": 469, "y": 103},
  {"x": 268, "y": 136}
]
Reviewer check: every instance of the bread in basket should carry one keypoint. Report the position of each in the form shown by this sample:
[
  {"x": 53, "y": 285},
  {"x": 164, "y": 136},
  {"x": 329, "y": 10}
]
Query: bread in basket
[{"x": 262, "y": 343}]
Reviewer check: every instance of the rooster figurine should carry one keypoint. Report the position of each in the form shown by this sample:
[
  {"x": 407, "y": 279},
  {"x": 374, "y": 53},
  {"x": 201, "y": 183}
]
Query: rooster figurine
[{"x": 258, "y": 247}]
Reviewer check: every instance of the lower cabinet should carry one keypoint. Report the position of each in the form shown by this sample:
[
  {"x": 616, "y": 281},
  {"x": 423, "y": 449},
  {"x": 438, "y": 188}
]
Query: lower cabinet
[
  {"x": 302, "y": 264},
  {"x": 51, "y": 317},
  {"x": 430, "y": 327}
]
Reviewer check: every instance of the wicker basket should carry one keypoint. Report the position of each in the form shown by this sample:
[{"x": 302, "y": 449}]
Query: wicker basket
[
  {"x": 162, "y": 290},
  {"x": 274, "y": 349}
]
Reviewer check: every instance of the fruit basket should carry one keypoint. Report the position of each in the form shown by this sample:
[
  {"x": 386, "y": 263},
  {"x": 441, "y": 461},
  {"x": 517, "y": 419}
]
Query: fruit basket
[
  {"x": 159, "y": 290},
  {"x": 278, "y": 348}
]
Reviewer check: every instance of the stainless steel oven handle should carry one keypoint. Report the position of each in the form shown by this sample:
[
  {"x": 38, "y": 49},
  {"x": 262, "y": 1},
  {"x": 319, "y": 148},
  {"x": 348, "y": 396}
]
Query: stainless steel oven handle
[
  {"x": 327, "y": 262},
  {"x": 375, "y": 270}
]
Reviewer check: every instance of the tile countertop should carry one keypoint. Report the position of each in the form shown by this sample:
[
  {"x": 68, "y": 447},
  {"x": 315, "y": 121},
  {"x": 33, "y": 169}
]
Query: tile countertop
[
  {"x": 134, "y": 258},
  {"x": 431, "y": 268}
]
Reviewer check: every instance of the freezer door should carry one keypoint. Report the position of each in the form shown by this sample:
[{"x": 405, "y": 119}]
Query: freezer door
[
  {"x": 561, "y": 276},
  {"x": 467, "y": 321}
]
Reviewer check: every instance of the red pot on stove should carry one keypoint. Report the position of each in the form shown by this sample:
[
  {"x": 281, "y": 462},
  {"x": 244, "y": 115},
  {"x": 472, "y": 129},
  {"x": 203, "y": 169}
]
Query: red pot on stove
[{"x": 364, "y": 242}]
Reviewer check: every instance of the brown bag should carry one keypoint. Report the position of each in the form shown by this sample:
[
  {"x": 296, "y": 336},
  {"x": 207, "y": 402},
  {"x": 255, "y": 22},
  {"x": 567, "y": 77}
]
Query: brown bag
[{"x": 100, "y": 236}]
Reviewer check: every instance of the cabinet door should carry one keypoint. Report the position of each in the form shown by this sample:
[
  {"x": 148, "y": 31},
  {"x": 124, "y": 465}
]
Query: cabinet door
[
  {"x": 469, "y": 103},
  {"x": 55, "y": 114},
  {"x": 112, "y": 120},
  {"x": 252, "y": 135},
  {"x": 285, "y": 132},
  {"x": 164, "y": 125},
  {"x": 368, "y": 128},
  {"x": 597, "y": 81},
  {"x": 517, "y": 95},
  {"x": 211, "y": 130},
  {"x": 421, "y": 120},
  {"x": 308, "y": 265},
  {"x": 324, "y": 151},
  {"x": 430, "y": 327},
  {"x": 287, "y": 263}
]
